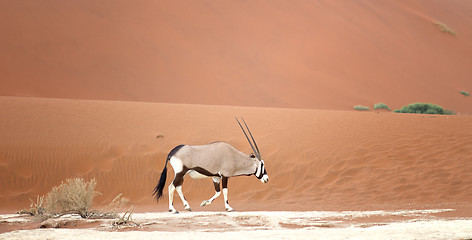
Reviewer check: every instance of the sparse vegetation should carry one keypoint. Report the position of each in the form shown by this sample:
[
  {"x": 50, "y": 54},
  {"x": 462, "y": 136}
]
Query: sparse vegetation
[
  {"x": 444, "y": 28},
  {"x": 424, "y": 108},
  {"x": 75, "y": 196},
  {"x": 126, "y": 219},
  {"x": 118, "y": 203},
  {"x": 361, "y": 108},
  {"x": 36, "y": 208},
  {"x": 381, "y": 106},
  {"x": 464, "y": 93}
]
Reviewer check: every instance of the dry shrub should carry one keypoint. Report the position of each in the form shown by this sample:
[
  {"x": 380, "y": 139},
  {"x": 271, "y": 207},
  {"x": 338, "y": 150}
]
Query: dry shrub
[
  {"x": 126, "y": 219},
  {"x": 36, "y": 208},
  {"x": 112, "y": 209},
  {"x": 117, "y": 204},
  {"x": 444, "y": 28},
  {"x": 73, "y": 196}
]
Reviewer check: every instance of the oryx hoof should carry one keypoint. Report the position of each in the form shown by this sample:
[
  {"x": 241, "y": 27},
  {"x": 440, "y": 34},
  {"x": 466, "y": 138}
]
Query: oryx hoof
[
  {"x": 173, "y": 211},
  {"x": 230, "y": 209},
  {"x": 204, "y": 203},
  {"x": 188, "y": 209}
]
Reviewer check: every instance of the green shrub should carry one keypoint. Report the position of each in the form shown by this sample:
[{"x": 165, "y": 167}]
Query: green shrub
[
  {"x": 464, "y": 93},
  {"x": 381, "y": 106},
  {"x": 361, "y": 108},
  {"x": 423, "y": 108}
]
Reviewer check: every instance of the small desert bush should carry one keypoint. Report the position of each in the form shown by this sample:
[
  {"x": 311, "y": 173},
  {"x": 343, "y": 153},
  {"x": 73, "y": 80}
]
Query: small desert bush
[
  {"x": 445, "y": 29},
  {"x": 75, "y": 195},
  {"x": 361, "y": 108},
  {"x": 36, "y": 208},
  {"x": 424, "y": 108},
  {"x": 381, "y": 106},
  {"x": 126, "y": 219},
  {"x": 112, "y": 209},
  {"x": 464, "y": 93}
]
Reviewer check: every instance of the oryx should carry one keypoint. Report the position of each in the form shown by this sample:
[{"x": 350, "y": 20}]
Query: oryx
[{"x": 217, "y": 160}]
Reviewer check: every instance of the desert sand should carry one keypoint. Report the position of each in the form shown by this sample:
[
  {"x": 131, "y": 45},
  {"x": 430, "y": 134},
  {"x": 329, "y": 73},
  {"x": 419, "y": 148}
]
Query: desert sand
[
  {"x": 325, "y": 54},
  {"x": 317, "y": 160},
  {"x": 105, "y": 89},
  {"x": 324, "y": 159}
]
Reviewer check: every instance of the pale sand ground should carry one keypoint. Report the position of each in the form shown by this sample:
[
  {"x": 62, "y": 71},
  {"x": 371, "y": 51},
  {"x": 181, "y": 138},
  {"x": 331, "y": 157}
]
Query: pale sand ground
[{"x": 403, "y": 224}]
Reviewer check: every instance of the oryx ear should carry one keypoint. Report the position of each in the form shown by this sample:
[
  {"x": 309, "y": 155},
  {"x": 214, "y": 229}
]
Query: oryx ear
[{"x": 252, "y": 155}]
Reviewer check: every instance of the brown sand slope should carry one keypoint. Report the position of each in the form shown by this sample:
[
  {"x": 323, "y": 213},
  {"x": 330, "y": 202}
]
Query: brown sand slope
[
  {"x": 316, "y": 159},
  {"x": 296, "y": 54}
]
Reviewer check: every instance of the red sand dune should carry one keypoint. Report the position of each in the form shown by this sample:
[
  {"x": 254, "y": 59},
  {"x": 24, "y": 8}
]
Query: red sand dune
[
  {"x": 324, "y": 55},
  {"x": 296, "y": 54},
  {"x": 316, "y": 159}
]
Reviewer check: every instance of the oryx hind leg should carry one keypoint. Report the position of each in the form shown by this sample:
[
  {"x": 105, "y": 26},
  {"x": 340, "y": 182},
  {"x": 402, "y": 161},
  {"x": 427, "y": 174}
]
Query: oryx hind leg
[
  {"x": 177, "y": 185},
  {"x": 184, "y": 201},
  {"x": 216, "y": 184},
  {"x": 171, "y": 199}
]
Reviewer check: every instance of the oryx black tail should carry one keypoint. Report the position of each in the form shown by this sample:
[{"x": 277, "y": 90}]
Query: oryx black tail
[{"x": 162, "y": 180}]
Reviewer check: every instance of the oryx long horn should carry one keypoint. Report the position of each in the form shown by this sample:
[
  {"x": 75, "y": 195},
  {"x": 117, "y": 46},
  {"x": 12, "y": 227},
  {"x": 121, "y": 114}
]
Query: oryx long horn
[
  {"x": 253, "y": 140},
  {"x": 247, "y": 137}
]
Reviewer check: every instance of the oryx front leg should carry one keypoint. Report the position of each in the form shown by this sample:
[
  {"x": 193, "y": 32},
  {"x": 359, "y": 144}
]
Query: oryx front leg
[
  {"x": 216, "y": 184},
  {"x": 225, "y": 194}
]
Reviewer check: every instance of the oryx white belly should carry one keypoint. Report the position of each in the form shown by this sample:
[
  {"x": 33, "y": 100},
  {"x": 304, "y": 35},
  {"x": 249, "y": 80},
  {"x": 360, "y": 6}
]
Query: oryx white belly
[{"x": 195, "y": 175}]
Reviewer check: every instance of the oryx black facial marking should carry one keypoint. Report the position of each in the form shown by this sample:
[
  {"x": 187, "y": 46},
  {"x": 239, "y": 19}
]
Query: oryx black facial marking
[
  {"x": 218, "y": 161},
  {"x": 260, "y": 170}
]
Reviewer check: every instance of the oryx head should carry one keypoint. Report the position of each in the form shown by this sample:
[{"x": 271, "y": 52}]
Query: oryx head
[{"x": 261, "y": 172}]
